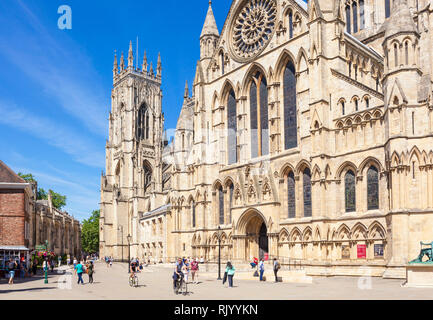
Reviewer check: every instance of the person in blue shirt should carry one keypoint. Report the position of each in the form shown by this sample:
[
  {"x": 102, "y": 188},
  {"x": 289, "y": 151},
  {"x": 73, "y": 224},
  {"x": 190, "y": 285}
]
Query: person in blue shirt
[
  {"x": 230, "y": 273},
  {"x": 261, "y": 268},
  {"x": 79, "y": 271}
]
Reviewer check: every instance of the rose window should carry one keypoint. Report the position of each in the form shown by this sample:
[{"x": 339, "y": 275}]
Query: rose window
[{"x": 252, "y": 28}]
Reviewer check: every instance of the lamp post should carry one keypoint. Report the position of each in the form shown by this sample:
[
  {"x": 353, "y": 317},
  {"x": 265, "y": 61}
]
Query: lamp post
[
  {"x": 120, "y": 228},
  {"x": 129, "y": 251},
  {"x": 219, "y": 253}
]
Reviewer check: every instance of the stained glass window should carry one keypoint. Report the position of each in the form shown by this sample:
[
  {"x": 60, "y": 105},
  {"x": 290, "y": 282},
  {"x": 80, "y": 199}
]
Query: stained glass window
[
  {"x": 307, "y": 193},
  {"x": 348, "y": 25},
  {"x": 349, "y": 190},
  {"x": 253, "y": 118},
  {"x": 291, "y": 198},
  {"x": 259, "y": 116},
  {"x": 290, "y": 112},
  {"x": 232, "y": 128},
  {"x": 221, "y": 205},
  {"x": 373, "y": 188}
]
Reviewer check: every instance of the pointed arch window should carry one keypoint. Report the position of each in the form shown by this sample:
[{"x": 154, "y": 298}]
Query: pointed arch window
[
  {"x": 259, "y": 116},
  {"x": 348, "y": 23},
  {"x": 387, "y": 8},
  {"x": 193, "y": 214},
  {"x": 290, "y": 107},
  {"x": 221, "y": 205},
  {"x": 406, "y": 49},
  {"x": 356, "y": 104},
  {"x": 361, "y": 15},
  {"x": 290, "y": 24},
  {"x": 147, "y": 175},
  {"x": 355, "y": 17},
  {"x": 231, "y": 190},
  {"x": 222, "y": 62},
  {"x": 291, "y": 195},
  {"x": 373, "y": 188},
  {"x": 395, "y": 55},
  {"x": 307, "y": 192},
  {"x": 367, "y": 103},
  {"x": 350, "y": 191},
  {"x": 142, "y": 131},
  {"x": 232, "y": 128},
  {"x": 343, "y": 108}
]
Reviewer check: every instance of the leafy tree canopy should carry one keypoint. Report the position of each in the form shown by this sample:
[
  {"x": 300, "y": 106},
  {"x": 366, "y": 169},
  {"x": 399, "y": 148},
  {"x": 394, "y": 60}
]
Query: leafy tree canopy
[
  {"x": 90, "y": 233},
  {"x": 59, "y": 201}
]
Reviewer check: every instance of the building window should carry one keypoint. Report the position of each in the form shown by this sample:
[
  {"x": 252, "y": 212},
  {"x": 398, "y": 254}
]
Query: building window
[
  {"x": 291, "y": 196},
  {"x": 387, "y": 8},
  {"x": 395, "y": 55},
  {"x": 367, "y": 103},
  {"x": 361, "y": 14},
  {"x": 232, "y": 128},
  {"x": 232, "y": 190},
  {"x": 373, "y": 188},
  {"x": 259, "y": 116},
  {"x": 356, "y": 104},
  {"x": 348, "y": 24},
  {"x": 290, "y": 108},
  {"x": 221, "y": 205},
  {"x": 343, "y": 108},
  {"x": 193, "y": 213},
  {"x": 406, "y": 49},
  {"x": 290, "y": 24},
  {"x": 142, "y": 123},
  {"x": 307, "y": 192},
  {"x": 350, "y": 191},
  {"x": 355, "y": 17},
  {"x": 147, "y": 175},
  {"x": 222, "y": 62}
]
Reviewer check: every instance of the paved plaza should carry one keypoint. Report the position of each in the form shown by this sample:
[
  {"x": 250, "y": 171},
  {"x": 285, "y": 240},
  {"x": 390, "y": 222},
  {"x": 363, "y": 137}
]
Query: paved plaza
[{"x": 155, "y": 283}]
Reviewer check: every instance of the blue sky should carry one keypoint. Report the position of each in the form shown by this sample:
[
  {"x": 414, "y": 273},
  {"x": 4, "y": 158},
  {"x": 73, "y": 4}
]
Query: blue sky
[{"x": 55, "y": 84}]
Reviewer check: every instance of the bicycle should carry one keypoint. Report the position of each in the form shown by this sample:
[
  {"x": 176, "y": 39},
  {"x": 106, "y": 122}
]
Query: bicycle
[
  {"x": 181, "y": 286},
  {"x": 133, "y": 280}
]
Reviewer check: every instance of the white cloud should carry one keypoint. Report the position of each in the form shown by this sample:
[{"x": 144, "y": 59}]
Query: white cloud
[{"x": 55, "y": 134}]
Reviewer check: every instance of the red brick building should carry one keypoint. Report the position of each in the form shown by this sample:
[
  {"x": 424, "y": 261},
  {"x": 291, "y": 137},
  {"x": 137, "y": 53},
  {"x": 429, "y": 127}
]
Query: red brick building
[{"x": 15, "y": 195}]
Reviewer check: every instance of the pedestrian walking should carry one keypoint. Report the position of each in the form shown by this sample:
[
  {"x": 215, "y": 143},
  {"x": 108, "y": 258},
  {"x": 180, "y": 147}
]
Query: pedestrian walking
[
  {"x": 35, "y": 266},
  {"x": 194, "y": 271},
  {"x": 261, "y": 268},
  {"x": 68, "y": 260},
  {"x": 12, "y": 265},
  {"x": 79, "y": 271},
  {"x": 52, "y": 265},
  {"x": 22, "y": 269},
  {"x": 75, "y": 262},
  {"x": 185, "y": 271},
  {"x": 59, "y": 260},
  {"x": 277, "y": 267},
  {"x": 90, "y": 271},
  {"x": 111, "y": 262},
  {"x": 230, "y": 270},
  {"x": 201, "y": 260}
]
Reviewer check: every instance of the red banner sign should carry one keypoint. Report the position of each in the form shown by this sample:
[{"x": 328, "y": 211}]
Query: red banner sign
[{"x": 362, "y": 251}]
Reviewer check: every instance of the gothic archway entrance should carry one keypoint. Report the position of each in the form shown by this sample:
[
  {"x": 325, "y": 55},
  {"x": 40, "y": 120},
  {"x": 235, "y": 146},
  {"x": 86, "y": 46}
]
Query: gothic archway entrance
[{"x": 254, "y": 232}]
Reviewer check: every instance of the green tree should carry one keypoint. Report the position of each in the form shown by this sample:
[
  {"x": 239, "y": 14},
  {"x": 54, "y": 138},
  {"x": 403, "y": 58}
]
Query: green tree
[
  {"x": 59, "y": 201},
  {"x": 90, "y": 233}
]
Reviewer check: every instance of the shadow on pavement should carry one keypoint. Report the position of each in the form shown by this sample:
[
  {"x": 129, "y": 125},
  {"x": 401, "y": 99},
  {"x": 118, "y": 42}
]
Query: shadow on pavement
[{"x": 27, "y": 289}]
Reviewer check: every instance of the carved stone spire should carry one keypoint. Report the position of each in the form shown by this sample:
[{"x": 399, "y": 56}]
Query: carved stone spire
[
  {"x": 159, "y": 66},
  {"x": 130, "y": 57},
  {"x": 145, "y": 62}
]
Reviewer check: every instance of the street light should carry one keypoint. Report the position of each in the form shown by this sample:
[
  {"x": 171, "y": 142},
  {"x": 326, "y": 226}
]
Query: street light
[
  {"x": 219, "y": 253},
  {"x": 129, "y": 251},
  {"x": 121, "y": 230}
]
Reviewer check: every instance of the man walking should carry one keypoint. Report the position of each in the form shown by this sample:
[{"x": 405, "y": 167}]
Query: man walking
[
  {"x": 79, "y": 271},
  {"x": 261, "y": 268},
  {"x": 11, "y": 268},
  {"x": 277, "y": 267},
  {"x": 90, "y": 270}
]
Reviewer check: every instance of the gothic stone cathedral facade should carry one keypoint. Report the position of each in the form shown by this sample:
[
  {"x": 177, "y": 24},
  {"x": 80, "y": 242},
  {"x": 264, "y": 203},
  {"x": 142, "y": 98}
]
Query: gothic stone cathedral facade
[{"x": 308, "y": 136}]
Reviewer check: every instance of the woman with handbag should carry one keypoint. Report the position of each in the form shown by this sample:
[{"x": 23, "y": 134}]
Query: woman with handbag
[{"x": 230, "y": 272}]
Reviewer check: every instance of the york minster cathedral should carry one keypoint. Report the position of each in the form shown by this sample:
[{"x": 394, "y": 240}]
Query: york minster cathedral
[{"x": 307, "y": 135}]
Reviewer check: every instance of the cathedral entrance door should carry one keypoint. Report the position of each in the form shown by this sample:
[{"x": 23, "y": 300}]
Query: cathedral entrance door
[{"x": 263, "y": 241}]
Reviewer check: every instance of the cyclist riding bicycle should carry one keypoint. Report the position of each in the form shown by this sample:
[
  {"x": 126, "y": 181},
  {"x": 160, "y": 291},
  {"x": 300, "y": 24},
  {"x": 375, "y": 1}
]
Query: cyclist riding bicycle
[
  {"x": 133, "y": 268},
  {"x": 178, "y": 275}
]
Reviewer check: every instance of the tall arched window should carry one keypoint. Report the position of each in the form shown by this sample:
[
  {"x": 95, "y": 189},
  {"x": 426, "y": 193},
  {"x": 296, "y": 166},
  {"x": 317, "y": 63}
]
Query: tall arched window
[
  {"x": 406, "y": 50},
  {"x": 259, "y": 116},
  {"x": 221, "y": 205},
  {"x": 307, "y": 192},
  {"x": 348, "y": 24},
  {"x": 232, "y": 128},
  {"x": 343, "y": 108},
  {"x": 290, "y": 108},
  {"x": 361, "y": 14},
  {"x": 291, "y": 197},
  {"x": 373, "y": 188},
  {"x": 142, "y": 131},
  {"x": 222, "y": 62},
  {"x": 290, "y": 24},
  {"x": 395, "y": 55},
  {"x": 387, "y": 8},
  {"x": 367, "y": 103},
  {"x": 193, "y": 213},
  {"x": 147, "y": 175},
  {"x": 355, "y": 17},
  {"x": 231, "y": 190},
  {"x": 349, "y": 191},
  {"x": 356, "y": 104}
]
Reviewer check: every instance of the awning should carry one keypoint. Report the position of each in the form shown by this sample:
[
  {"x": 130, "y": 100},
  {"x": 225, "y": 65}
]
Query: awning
[{"x": 14, "y": 248}]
